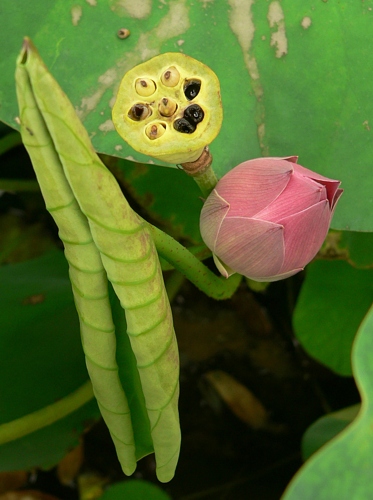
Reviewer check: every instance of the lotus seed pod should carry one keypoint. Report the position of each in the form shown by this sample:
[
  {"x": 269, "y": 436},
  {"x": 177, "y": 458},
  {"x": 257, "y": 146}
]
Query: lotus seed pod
[
  {"x": 171, "y": 77},
  {"x": 145, "y": 87},
  {"x": 169, "y": 108}
]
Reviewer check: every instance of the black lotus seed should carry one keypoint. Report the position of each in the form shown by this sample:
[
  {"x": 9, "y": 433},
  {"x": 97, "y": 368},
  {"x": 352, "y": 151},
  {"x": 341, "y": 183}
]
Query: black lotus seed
[
  {"x": 194, "y": 113},
  {"x": 184, "y": 126},
  {"x": 191, "y": 89}
]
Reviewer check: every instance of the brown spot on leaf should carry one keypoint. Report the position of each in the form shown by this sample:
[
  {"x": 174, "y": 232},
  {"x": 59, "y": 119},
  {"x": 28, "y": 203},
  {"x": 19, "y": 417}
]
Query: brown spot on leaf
[
  {"x": 123, "y": 33},
  {"x": 34, "y": 299}
]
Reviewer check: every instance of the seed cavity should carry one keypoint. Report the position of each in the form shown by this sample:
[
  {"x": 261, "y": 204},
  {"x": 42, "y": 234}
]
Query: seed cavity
[
  {"x": 193, "y": 115},
  {"x": 145, "y": 87},
  {"x": 167, "y": 106},
  {"x": 184, "y": 126},
  {"x": 139, "y": 112},
  {"x": 171, "y": 77},
  {"x": 192, "y": 88},
  {"x": 155, "y": 130}
]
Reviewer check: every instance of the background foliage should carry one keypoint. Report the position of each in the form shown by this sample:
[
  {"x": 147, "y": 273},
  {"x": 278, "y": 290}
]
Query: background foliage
[
  {"x": 293, "y": 75},
  {"x": 41, "y": 359},
  {"x": 295, "y": 79}
]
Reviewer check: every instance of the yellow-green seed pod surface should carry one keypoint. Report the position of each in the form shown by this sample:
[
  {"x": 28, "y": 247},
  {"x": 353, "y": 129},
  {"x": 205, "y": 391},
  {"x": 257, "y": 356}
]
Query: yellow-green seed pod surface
[{"x": 184, "y": 108}]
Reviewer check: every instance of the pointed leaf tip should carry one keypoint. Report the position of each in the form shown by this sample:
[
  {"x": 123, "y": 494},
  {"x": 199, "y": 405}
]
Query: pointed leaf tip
[{"x": 27, "y": 47}]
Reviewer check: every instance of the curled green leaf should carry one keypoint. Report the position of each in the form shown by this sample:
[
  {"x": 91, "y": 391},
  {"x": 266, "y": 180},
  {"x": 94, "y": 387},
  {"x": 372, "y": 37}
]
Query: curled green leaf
[
  {"x": 104, "y": 239},
  {"x": 87, "y": 275}
]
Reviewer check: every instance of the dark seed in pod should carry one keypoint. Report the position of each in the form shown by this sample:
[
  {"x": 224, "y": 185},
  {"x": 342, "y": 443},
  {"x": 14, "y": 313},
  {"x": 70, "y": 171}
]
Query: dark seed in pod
[
  {"x": 194, "y": 113},
  {"x": 191, "y": 89},
  {"x": 184, "y": 126},
  {"x": 138, "y": 112}
]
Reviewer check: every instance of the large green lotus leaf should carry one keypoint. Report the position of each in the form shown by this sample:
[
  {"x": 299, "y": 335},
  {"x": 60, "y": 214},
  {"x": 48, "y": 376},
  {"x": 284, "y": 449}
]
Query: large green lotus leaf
[
  {"x": 334, "y": 298},
  {"x": 170, "y": 197},
  {"x": 294, "y": 75},
  {"x": 41, "y": 359},
  {"x": 135, "y": 489},
  {"x": 342, "y": 469},
  {"x": 359, "y": 247},
  {"x": 316, "y": 94},
  {"x": 354, "y": 247},
  {"x": 46, "y": 447},
  {"x": 325, "y": 428},
  {"x": 21, "y": 241}
]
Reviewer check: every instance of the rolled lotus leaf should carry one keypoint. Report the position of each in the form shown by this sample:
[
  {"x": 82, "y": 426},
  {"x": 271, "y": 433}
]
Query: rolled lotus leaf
[
  {"x": 87, "y": 274},
  {"x": 104, "y": 240}
]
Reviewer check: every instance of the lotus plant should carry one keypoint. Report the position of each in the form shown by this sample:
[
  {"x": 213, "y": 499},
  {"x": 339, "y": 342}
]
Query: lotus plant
[{"x": 268, "y": 217}]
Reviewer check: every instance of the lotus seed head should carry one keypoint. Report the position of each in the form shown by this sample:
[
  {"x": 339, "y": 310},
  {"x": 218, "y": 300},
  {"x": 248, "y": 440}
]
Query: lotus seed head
[
  {"x": 169, "y": 108},
  {"x": 145, "y": 87},
  {"x": 171, "y": 77}
]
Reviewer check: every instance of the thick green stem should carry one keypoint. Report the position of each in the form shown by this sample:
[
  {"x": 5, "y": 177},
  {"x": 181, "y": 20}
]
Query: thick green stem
[
  {"x": 201, "y": 252},
  {"x": 215, "y": 287},
  {"x": 47, "y": 415},
  {"x": 206, "y": 181},
  {"x": 202, "y": 172}
]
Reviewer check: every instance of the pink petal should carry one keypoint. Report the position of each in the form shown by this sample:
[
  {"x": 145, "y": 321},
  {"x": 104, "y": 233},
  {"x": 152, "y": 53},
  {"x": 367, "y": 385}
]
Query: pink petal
[
  {"x": 213, "y": 212},
  {"x": 224, "y": 270},
  {"x": 304, "y": 233},
  {"x": 300, "y": 194},
  {"x": 331, "y": 185},
  {"x": 292, "y": 159},
  {"x": 278, "y": 277},
  {"x": 252, "y": 185},
  {"x": 334, "y": 201},
  {"x": 251, "y": 247}
]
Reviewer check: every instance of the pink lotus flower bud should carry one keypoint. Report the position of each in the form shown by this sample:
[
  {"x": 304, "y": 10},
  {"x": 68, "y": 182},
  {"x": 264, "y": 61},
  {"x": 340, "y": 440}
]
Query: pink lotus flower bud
[{"x": 267, "y": 218}]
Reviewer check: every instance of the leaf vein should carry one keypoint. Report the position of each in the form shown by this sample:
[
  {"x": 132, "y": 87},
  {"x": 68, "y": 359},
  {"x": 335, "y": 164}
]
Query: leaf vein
[
  {"x": 106, "y": 368},
  {"x": 148, "y": 330},
  {"x": 154, "y": 361}
]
